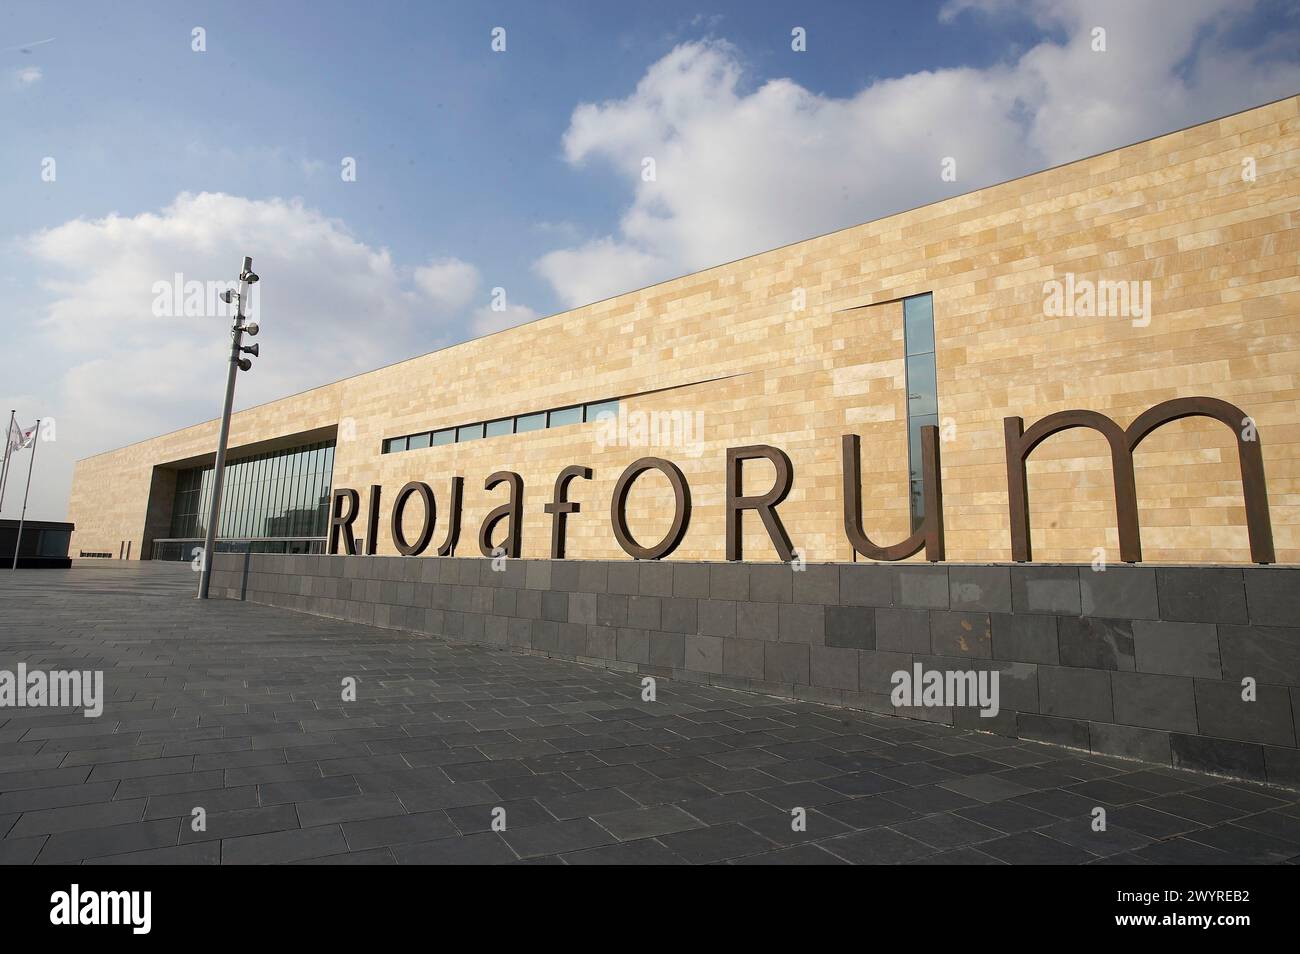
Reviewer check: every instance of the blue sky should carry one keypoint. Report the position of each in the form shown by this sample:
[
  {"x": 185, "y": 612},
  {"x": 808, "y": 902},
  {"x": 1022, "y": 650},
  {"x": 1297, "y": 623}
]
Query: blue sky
[{"x": 518, "y": 169}]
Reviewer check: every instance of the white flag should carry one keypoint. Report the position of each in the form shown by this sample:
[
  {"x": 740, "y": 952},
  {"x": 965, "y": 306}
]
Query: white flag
[{"x": 20, "y": 437}]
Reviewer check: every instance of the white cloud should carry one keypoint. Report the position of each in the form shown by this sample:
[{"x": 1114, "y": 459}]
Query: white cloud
[
  {"x": 328, "y": 304},
  {"x": 448, "y": 282},
  {"x": 587, "y": 272},
  {"x": 27, "y": 76},
  {"x": 743, "y": 168}
]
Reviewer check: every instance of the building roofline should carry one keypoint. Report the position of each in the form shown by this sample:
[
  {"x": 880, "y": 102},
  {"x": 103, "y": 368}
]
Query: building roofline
[{"x": 727, "y": 264}]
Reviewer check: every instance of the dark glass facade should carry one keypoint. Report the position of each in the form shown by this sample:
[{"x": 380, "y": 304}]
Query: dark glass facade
[
  {"x": 922, "y": 390},
  {"x": 276, "y": 502}
]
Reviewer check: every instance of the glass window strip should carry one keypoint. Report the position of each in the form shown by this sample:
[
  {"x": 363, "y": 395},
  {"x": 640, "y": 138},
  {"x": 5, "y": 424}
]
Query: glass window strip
[
  {"x": 922, "y": 395},
  {"x": 500, "y": 427}
]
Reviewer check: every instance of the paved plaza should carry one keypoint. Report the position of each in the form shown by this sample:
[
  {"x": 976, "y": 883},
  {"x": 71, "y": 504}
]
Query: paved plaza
[{"x": 239, "y": 710}]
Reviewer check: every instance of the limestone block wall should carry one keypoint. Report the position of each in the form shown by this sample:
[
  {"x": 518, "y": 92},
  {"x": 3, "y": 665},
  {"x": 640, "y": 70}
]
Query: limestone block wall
[{"x": 733, "y": 345}]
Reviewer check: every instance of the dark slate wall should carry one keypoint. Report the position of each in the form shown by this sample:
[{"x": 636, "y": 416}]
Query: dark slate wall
[{"x": 1139, "y": 661}]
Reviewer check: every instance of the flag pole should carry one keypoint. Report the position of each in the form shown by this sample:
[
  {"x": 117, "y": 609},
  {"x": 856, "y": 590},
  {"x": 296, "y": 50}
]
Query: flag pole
[
  {"x": 17, "y": 543},
  {"x": 4, "y": 471}
]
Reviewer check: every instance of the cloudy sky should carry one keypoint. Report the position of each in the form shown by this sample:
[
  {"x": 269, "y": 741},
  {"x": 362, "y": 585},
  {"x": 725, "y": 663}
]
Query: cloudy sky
[{"x": 130, "y": 157}]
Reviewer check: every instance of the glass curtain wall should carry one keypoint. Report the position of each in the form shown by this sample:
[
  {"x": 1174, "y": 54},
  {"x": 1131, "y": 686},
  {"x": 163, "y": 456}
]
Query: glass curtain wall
[{"x": 278, "y": 497}]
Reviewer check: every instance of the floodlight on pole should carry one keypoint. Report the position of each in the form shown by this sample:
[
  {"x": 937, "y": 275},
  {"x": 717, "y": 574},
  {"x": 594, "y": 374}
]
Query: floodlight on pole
[{"x": 247, "y": 278}]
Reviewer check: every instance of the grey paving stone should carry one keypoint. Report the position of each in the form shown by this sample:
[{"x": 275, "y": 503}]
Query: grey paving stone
[
  {"x": 667, "y": 650},
  {"x": 876, "y": 670},
  {"x": 76, "y": 817},
  {"x": 921, "y": 587},
  {"x": 1025, "y": 638},
  {"x": 803, "y": 623},
  {"x": 283, "y": 846},
  {"x": 1184, "y": 851},
  {"x": 483, "y": 848},
  {"x": 1153, "y": 701},
  {"x": 795, "y": 855},
  {"x": 1046, "y": 589},
  {"x": 375, "y": 856},
  {"x": 593, "y": 576},
  {"x": 771, "y": 583},
  {"x": 331, "y": 811},
  {"x": 1222, "y": 713},
  {"x": 729, "y": 581},
  {"x": 251, "y": 699},
  {"x": 704, "y": 653},
  {"x": 743, "y": 657},
  {"x": 901, "y": 630},
  {"x": 1058, "y": 731},
  {"x": 985, "y": 788},
  {"x": 74, "y": 846},
  {"x": 961, "y": 634},
  {"x": 21, "y": 851},
  {"x": 958, "y": 856},
  {"x": 866, "y": 584},
  {"x": 556, "y": 838},
  {"x": 833, "y": 668},
  {"x": 399, "y": 830},
  {"x": 858, "y": 784},
  {"x": 1119, "y": 592},
  {"x": 947, "y": 831},
  {"x": 1272, "y": 595},
  {"x": 1189, "y": 805},
  {"x": 717, "y": 617},
  {"x": 1241, "y": 759},
  {"x": 1251, "y": 846},
  {"x": 1282, "y": 765},
  {"x": 59, "y": 797},
  {"x": 430, "y": 796},
  {"x": 199, "y": 853},
  {"x": 1150, "y": 745},
  {"x": 737, "y": 806},
  {"x": 979, "y": 589},
  {"x": 716, "y": 843},
  {"x": 242, "y": 821},
  {"x": 1075, "y": 693},
  {"x": 757, "y": 620},
  {"x": 1277, "y": 824},
  {"x": 644, "y": 852},
  {"x": 817, "y": 583},
  {"x": 643, "y": 612},
  {"x": 679, "y": 615},
  {"x": 1268, "y": 654},
  {"x": 852, "y": 627},
  {"x": 1202, "y": 594},
  {"x": 212, "y": 800},
  {"x": 878, "y": 846},
  {"x": 1034, "y": 848},
  {"x": 1094, "y": 643},
  {"x": 868, "y": 811},
  {"x": 587, "y": 804},
  {"x": 277, "y": 793},
  {"x": 786, "y": 663},
  {"x": 650, "y": 822},
  {"x": 778, "y": 827},
  {"x": 667, "y": 791},
  {"x": 1177, "y": 649}
]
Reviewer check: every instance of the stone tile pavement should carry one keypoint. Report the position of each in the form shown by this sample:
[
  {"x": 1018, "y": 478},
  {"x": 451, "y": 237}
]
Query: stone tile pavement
[{"x": 238, "y": 709}]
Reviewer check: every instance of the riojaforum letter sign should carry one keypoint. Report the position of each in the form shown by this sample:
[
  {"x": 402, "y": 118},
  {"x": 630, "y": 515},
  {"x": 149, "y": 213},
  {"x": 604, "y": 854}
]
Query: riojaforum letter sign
[{"x": 345, "y": 508}]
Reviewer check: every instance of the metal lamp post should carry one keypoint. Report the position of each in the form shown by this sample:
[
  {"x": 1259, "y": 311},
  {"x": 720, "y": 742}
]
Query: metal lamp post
[{"x": 247, "y": 278}]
